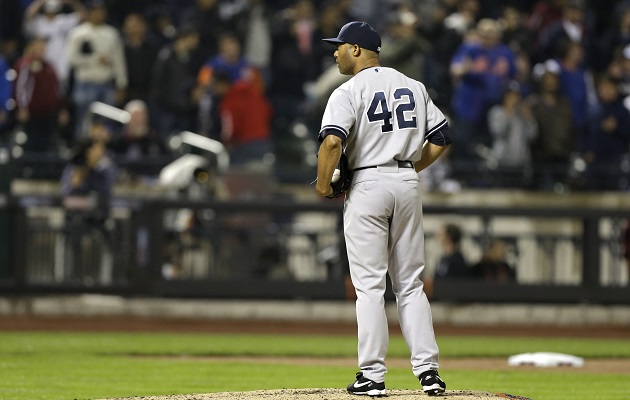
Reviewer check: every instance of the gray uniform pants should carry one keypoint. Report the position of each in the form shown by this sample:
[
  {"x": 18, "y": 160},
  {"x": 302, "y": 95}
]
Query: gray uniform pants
[{"x": 383, "y": 231}]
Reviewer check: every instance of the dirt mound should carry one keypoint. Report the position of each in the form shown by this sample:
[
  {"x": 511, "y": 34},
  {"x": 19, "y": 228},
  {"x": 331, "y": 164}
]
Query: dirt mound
[{"x": 326, "y": 394}]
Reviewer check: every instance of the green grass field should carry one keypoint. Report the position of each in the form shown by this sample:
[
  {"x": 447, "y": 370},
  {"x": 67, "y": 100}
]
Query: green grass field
[{"x": 37, "y": 365}]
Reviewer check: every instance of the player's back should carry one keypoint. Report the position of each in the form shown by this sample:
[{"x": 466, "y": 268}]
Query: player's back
[{"x": 391, "y": 117}]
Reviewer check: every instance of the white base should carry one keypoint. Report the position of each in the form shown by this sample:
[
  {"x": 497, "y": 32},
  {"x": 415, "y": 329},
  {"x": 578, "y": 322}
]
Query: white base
[{"x": 543, "y": 359}]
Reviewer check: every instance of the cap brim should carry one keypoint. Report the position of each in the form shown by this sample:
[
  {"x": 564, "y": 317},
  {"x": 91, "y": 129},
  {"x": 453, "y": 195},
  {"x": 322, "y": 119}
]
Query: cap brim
[{"x": 334, "y": 41}]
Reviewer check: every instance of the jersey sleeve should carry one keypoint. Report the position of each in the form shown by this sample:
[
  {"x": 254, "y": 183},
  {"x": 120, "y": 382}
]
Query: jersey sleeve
[
  {"x": 435, "y": 118},
  {"x": 339, "y": 114}
]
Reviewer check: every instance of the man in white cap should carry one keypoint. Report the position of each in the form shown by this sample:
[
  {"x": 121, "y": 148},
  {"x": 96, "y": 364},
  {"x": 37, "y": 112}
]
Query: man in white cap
[{"x": 45, "y": 19}]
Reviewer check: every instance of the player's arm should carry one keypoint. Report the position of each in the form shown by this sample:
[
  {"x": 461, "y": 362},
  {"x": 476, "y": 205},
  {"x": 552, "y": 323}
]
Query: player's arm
[
  {"x": 435, "y": 145},
  {"x": 430, "y": 153},
  {"x": 327, "y": 159}
]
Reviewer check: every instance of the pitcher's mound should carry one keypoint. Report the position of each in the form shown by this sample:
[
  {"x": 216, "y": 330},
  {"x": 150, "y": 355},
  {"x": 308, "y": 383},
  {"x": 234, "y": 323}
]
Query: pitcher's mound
[{"x": 328, "y": 394}]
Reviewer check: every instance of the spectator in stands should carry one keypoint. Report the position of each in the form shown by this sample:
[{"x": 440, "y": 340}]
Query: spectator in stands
[
  {"x": 231, "y": 63},
  {"x": 555, "y": 143},
  {"x": 571, "y": 27},
  {"x": 99, "y": 131},
  {"x": 11, "y": 29},
  {"x": 40, "y": 106},
  {"x": 609, "y": 141},
  {"x": 90, "y": 171},
  {"x": 284, "y": 37},
  {"x": 330, "y": 20},
  {"x": 452, "y": 263},
  {"x": 140, "y": 55},
  {"x": 544, "y": 14},
  {"x": 228, "y": 60},
  {"x": 464, "y": 18},
  {"x": 117, "y": 10},
  {"x": 513, "y": 129},
  {"x": 5, "y": 95},
  {"x": 46, "y": 19},
  {"x": 482, "y": 69},
  {"x": 7, "y": 55},
  {"x": 86, "y": 185},
  {"x": 433, "y": 12},
  {"x": 576, "y": 82},
  {"x": 524, "y": 73},
  {"x": 138, "y": 141},
  {"x": 615, "y": 37},
  {"x": 162, "y": 26},
  {"x": 245, "y": 116},
  {"x": 404, "y": 46},
  {"x": 445, "y": 42},
  {"x": 515, "y": 32},
  {"x": 292, "y": 54},
  {"x": 493, "y": 265},
  {"x": 173, "y": 84},
  {"x": 205, "y": 16},
  {"x": 96, "y": 53},
  {"x": 620, "y": 70},
  {"x": 253, "y": 28},
  {"x": 302, "y": 17}
]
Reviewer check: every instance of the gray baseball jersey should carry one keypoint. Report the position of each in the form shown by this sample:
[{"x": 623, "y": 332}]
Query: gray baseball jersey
[{"x": 386, "y": 117}]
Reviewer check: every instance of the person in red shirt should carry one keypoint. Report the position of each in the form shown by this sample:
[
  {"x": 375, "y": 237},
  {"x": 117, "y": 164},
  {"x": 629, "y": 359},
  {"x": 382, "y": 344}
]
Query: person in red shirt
[
  {"x": 40, "y": 106},
  {"x": 245, "y": 115}
]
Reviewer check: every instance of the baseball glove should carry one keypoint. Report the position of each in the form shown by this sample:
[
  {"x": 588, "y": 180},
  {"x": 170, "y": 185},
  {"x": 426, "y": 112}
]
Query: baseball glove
[{"x": 342, "y": 184}]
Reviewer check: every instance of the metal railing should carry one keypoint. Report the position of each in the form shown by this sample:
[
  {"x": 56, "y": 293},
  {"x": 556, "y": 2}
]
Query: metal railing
[{"x": 285, "y": 250}]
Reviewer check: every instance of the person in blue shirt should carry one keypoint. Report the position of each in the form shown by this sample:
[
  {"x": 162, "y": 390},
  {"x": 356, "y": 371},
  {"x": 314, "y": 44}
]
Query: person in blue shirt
[
  {"x": 5, "y": 94},
  {"x": 228, "y": 61},
  {"x": 576, "y": 83},
  {"x": 482, "y": 68}
]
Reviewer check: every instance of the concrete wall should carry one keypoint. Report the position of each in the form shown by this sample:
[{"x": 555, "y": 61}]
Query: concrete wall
[{"x": 452, "y": 314}]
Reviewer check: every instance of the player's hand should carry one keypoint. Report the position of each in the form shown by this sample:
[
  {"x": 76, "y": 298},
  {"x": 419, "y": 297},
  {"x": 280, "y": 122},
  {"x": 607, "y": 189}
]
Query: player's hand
[{"x": 324, "y": 190}]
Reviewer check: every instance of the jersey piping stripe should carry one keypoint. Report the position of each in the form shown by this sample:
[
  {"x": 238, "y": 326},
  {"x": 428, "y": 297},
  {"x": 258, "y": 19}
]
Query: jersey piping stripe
[
  {"x": 439, "y": 139},
  {"x": 436, "y": 128},
  {"x": 334, "y": 127}
]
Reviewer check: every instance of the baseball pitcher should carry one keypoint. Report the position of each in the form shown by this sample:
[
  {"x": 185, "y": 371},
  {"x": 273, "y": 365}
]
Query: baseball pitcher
[{"x": 389, "y": 129}]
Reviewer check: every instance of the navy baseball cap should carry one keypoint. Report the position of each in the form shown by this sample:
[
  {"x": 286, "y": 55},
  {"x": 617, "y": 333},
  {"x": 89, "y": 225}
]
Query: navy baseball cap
[{"x": 359, "y": 33}]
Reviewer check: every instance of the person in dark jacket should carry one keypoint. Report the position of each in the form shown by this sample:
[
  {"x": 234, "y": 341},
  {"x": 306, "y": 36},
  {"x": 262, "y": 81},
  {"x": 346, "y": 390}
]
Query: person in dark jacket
[
  {"x": 140, "y": 53},
  {"x": 90, "y": 172},
  {"x": 493, "y": 265},
  {"x": 555, "y": 143},
  {"x": 452, "y": 264},
  {"x": 608, "y": 142},
  {"x": 138, "y": 149},
  {"x": 174, "y": 84},
  {"x": 87, "y": 183},
  {"x": 138, "y": 139}
]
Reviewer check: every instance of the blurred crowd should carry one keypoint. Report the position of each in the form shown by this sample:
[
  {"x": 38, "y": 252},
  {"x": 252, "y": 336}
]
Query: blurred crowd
[{"x": 537, "y": 92}]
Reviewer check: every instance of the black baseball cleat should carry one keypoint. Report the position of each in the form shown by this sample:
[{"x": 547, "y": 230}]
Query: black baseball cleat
[
  {"x": 366, "y": 387},
  {"x": 431, "y": 382}
]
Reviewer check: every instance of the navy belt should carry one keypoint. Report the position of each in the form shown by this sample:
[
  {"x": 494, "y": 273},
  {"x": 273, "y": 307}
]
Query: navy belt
[{"x": 401, "y": 164}]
